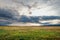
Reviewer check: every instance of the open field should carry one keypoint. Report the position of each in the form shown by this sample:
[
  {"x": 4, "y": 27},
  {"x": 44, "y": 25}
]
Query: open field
[{"x": 29, "y": 33}]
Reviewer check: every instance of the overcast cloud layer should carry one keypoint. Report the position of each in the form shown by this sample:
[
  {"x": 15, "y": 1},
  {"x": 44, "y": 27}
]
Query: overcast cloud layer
[{"x": 14, "y": 11}]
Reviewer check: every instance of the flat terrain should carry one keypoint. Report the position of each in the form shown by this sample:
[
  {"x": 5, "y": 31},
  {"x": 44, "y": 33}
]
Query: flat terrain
[{"x": 29, "y": 33}]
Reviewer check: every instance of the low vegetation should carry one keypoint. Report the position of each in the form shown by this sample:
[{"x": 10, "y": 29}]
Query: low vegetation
[{"x": 29, "y": 33}]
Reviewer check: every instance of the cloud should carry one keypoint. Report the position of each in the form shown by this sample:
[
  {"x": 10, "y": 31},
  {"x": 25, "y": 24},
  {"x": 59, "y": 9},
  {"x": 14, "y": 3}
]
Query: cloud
[
  {"x": 8, "y": 13},
  {"x": 31, "y": 19},
  {"x": 56, "y": 4},
  {"x": 50, "y": 17},
  {"x": 4, "y": 22},
  {"x": 8, "y": 16},
  {"x": 51, "y": 6},
  {"x": 11, "y": 10},
  {"x": 17, "y": 4},
  {"x": 51, "y": 22}
]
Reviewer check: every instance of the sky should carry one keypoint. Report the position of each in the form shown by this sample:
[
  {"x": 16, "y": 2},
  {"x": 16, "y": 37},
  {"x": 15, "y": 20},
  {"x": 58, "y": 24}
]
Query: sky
[
  {"x": 37, "y": 7},
  {"x": 12, "y": 11}
]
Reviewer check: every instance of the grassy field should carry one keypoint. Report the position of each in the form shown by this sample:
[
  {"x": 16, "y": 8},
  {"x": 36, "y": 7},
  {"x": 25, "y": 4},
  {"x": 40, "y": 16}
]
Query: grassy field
[{"x": 29, "y": 33}]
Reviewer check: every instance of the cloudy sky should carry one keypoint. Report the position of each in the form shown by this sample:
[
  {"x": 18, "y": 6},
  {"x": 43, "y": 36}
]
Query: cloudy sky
[
  {"x": 36, "y": 7},
  {"x": 12, "y": 10}
]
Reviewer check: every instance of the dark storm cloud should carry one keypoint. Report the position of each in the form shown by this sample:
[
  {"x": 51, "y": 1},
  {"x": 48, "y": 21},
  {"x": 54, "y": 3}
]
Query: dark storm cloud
[
  {"x": 8, "y": 13},
  {"x": 50, "y": 17},
  {"x": 8, "y": 16},
  {"x": 4, "y": 23},
  {"x": 31, "y": 19}
]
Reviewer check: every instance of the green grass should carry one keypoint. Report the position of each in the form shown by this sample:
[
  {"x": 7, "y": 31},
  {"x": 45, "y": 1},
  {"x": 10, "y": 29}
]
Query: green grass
[{"x": 29, "y": 33}]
